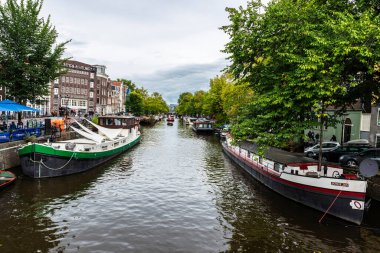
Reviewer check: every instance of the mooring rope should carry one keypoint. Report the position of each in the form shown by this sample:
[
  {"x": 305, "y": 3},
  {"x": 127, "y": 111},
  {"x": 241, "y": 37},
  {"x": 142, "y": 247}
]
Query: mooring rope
[
  {"x": 328, "y": 209},
  {"x": 41, "y": 162}
]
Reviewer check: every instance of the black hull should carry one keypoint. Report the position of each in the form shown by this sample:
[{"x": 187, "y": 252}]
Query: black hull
[
  {"x": 203, "y": 130},
  {"x": 317, "y": 200}
]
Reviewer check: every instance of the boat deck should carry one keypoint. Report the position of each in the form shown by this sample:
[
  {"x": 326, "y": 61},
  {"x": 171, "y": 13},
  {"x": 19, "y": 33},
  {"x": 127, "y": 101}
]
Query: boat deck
[{"x": 277, "y": 155}]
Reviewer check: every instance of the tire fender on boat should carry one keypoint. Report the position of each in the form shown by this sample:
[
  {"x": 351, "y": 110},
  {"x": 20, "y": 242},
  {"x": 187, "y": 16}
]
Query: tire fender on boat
[{"x": 335, "y": 174}]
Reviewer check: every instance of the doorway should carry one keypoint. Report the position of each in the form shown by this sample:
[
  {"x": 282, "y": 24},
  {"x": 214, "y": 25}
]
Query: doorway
[{"x": 347, "y": 130}]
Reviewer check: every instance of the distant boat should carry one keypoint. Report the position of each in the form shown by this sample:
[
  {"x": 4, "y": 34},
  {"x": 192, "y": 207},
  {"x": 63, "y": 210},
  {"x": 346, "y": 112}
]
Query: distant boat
[
  {"x": 6, "y": 178},
  {"x": 203, "y": 126},
  {"x": 170, "y": 120},
  {"x": 116, "y": 134},
  {"x": 189, "y": 121}
]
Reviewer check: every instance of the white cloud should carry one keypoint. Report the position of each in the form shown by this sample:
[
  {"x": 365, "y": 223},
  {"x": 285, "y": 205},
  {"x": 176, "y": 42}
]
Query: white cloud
[{"x": 158, "y": 44}]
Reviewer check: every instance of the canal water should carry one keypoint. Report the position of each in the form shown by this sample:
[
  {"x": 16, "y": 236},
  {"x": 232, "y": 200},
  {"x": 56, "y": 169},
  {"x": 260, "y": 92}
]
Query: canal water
[{"x": 174, "y": 192}]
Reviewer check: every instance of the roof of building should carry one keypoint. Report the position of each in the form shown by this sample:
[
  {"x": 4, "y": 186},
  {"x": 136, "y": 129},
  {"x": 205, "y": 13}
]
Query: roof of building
[{"x": 116, "y": 83}]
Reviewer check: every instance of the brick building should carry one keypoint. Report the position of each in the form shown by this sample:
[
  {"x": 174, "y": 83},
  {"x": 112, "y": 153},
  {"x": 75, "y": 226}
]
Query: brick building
[
  {"x": 74, "y": 90},
  {"x": 103, "y": 91},
  {"x": 83, "y": 89}
]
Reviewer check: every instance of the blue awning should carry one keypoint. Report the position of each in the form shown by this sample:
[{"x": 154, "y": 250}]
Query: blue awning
[{"x": 12, "y": 106}]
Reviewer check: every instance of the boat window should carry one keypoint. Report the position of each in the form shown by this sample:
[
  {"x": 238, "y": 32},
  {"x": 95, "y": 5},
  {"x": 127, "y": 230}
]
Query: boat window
[
  {"x": 260, "y": 160},
  {"x": 277, "y": 167}
]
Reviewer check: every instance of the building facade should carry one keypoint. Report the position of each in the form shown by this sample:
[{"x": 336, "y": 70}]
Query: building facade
[
  {"x": 374, "y": 133},
  {"x": 118, "y": 96},
  {"x": 74, "y": 91},
  {"x": 103, "y": 91}
]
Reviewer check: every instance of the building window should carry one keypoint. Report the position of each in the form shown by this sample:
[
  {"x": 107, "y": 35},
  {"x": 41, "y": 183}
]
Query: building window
[
  {"x": 82, "y": 81},
  {"x": 71, "y": 80},
  {"x": 378, "y": 116},
  {"x": 56, "y": 81},
  {"x": 82, "y": 103},
  {"x": 91, "y": 84},
  {"x": 92, "y": 75},
  {"x": 65, "y": 102},
  {"x": 91, "y": 94},
  {"x": 56, "y": 91},
  {"x": 63, "y": 79}
]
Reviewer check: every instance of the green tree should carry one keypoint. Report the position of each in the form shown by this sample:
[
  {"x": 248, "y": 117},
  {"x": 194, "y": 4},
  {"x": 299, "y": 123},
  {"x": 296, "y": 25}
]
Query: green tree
[
  {"x": 135, "y": 103},
  {"x": 155, "y": 104},
  {"x": 185, "y": 104},
  {"x": 235, "y": 99},
  {"x": 198, "y": 100},
  {"x": 30, "y": 57},
  {"x": 300, "y": 57},
  {"x": 213, "y": 99},
  {"x": 144, "y": 93}
]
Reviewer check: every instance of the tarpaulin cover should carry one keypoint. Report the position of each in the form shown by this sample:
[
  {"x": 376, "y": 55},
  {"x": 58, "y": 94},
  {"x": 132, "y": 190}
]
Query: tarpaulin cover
[{"x": 12, "y": 106}]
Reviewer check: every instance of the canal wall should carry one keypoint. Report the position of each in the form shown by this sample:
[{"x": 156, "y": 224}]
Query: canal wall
[{"x": 9, "y": 151}]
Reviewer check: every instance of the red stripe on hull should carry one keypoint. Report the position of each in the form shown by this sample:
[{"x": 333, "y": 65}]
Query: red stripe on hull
[{"x": 297, "y": 185}]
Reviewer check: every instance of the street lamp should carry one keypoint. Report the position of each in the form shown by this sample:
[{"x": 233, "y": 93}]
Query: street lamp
[{"x": 67, "y": 103}]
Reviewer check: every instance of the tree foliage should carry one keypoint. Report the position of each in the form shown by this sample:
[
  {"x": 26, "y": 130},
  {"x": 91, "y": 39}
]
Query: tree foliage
[
  {"x": 223, "y": 102},
  {"x": 213, "y": 99},
  {"x": 139, "y": 101},
  {"x": 135, "y": 104},
  {"x": 299, "y": 57},
  {"x": 185, "y": 104},
  {"x": 235, "y": 98},
  {"x": 155, "y": 104},
  {"x": 30, "y": 57}
]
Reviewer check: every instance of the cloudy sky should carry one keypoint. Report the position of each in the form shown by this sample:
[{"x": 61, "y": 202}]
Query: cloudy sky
[{"x": 169, "y": 46}]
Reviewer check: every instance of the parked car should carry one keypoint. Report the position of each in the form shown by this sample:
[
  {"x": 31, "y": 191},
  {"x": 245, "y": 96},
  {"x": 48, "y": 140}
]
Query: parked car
[
  {"x": 354, "y": 160},
  {"x": 357, "y": 142},
  {"x": 334, "y": 154},
  {"x": 314, "y": 150}
]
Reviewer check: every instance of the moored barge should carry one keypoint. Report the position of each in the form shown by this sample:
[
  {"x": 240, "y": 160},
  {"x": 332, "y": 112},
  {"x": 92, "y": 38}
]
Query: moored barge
[
  {"x": 53, "y": 159},
  {"x": 203, "y": 126},
  {"x": 328, "y": 189}
]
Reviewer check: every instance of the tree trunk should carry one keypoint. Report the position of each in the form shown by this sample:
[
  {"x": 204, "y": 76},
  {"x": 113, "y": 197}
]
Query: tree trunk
[{"x": 320, "y": 140}]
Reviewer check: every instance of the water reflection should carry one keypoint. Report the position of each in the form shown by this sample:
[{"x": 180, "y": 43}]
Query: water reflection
[{"x": 27, "y": 208}]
